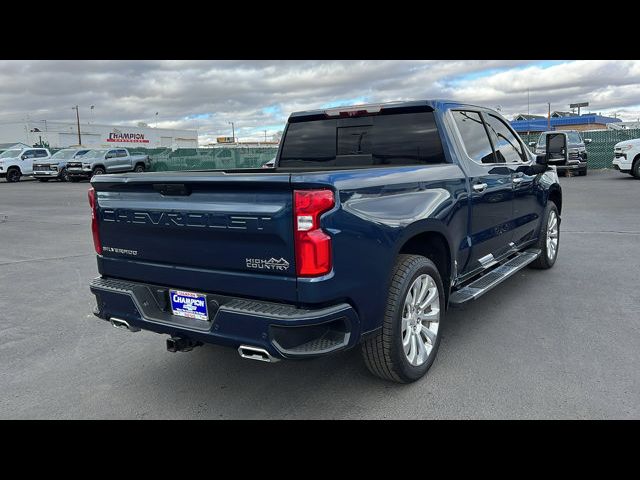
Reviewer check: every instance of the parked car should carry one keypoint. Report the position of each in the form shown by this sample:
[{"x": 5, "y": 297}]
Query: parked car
[
  {"x": 627, "y": 157},
  {"x": 101, "y": 161},
  {"x": 577, "y": 154},
  {"x": 16, "y": 162},
  {"x": 56, "y": 166},
  {"x": 376, "y": 219}
]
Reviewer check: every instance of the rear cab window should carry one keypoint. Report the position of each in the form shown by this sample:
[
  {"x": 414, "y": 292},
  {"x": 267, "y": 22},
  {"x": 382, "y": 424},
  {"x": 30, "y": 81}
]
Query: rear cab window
[{"x": 393, "y": 138}]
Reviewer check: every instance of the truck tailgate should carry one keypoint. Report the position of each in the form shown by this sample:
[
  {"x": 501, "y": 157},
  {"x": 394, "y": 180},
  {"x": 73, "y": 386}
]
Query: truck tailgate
[{"x": 226, "y": 233}]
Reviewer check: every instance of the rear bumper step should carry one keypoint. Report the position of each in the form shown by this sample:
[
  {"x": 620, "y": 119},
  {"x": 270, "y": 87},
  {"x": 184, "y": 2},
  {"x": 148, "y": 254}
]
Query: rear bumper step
[
  {"x": 493, "y": 278},
  {"x": 281, "y": 330}
]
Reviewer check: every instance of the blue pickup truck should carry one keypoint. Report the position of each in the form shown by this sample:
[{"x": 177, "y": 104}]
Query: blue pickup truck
[{"x": 374, "y": 221}]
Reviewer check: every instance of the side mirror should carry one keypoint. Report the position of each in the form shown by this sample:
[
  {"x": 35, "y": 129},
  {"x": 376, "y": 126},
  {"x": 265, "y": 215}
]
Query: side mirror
[
  {"x": 23, "y": 157},
  {"x": 557, "y": 152},
  {"x": 532, "y": 144},
  {"x": 541, "y": 159},
  {"x": 587, "y": 140}
]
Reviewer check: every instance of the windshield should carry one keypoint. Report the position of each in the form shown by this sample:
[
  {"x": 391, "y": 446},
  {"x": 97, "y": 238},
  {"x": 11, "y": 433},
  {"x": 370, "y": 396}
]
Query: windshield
[
  {"x": 10, "y": 153},
  {"x": 63, "y": 154},
  {"x": 94, "y": 153}
]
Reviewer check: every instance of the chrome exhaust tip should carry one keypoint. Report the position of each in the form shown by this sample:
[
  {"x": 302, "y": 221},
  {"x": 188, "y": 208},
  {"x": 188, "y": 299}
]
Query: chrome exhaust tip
[
  {"x": 123, "y": 324},
  {"x": 256, "y": 353}
]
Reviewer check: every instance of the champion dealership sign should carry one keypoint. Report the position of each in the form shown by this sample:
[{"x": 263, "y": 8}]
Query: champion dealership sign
[{"x": 118, "y": 136}]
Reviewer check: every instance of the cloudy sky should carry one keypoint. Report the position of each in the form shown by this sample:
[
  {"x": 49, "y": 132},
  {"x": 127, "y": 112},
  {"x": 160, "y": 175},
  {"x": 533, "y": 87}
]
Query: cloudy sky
[{"x": 259, "y": 95}]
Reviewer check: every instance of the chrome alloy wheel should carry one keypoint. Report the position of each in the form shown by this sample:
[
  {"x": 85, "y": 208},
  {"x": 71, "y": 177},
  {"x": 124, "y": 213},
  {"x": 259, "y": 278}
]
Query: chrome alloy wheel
[
  {"x": 552, "y": 235},
  {"x": 420, "y": 319}
]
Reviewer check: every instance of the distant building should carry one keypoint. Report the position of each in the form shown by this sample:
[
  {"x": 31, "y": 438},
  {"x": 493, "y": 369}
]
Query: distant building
[
  {"x": 526, "y": 116},
  {"x": 587, "y": 121},
  {"x": 12, "y": 146},
  {"x": 56, "y": 135},
  {"x": 624, "y": 126}
]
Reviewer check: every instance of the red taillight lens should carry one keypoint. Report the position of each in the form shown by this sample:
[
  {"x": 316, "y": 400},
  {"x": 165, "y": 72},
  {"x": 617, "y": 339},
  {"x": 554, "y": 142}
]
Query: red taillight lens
[
  {"x": 313, "y": 246},
  {"x": 94, "y": 221}
]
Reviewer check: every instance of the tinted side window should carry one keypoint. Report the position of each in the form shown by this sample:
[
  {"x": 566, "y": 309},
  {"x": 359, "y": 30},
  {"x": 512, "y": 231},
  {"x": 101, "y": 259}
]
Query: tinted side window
[
  {"x": 41, "y": 153},
  {"x": 507, "y": 146},
  {"x": 474, "y": 136},
  {"x": 112, "y": 154},
  {"x": 29, "y": 154},
  {"x": 391, "y": 139},
  {"x": 122, "y": 153}
]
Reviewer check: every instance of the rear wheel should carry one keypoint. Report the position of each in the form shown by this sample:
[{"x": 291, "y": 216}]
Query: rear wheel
[
  {"x": 549, "y": 239},
  {"x": 406, "y": 346},
  {"x": 139, "y": 168},
  {"x": 13, "y": 175}
]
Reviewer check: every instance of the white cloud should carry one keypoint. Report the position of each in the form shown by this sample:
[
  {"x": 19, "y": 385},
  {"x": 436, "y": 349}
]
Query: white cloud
[{"x": 127, "y": 92}]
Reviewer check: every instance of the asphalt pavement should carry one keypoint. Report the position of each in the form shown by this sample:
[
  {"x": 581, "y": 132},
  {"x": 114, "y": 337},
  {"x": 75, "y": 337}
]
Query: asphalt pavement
[{"x": 560, "y": 343}]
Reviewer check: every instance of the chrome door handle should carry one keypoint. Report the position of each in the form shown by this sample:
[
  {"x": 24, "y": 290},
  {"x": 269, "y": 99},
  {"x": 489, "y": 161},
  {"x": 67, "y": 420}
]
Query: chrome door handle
[
  {"x": 517, "y": 180},
  {"x": 480, "y": 187}
]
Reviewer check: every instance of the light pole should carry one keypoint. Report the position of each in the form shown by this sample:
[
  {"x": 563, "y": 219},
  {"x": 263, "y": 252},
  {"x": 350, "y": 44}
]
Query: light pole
[
  {"x": 78, "y": 120},
  {"x": 92, "y": 107},
  {"x": 156, "y": 119},
  {"x": 265, "y": 136},
  {"x": 233, "y": 131}
]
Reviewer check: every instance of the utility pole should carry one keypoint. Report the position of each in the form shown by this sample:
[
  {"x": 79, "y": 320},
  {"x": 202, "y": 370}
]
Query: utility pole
[
  {"x": 549, "y": 117},
  {"x": 92, "y": 107},
  {"x": 233, "y": 131},
  {"x": 78, "y": 120},
  {"x": 527, "y": 102},
  {"x": 265, "y": 136}
]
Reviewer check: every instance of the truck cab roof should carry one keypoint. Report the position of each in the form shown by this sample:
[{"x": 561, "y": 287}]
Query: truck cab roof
[{"x": 372, "y": 108}]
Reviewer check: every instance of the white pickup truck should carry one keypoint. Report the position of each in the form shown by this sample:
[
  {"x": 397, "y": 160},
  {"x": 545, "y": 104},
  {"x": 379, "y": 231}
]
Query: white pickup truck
[
  {"x": 105, "y": 160},
  {"x": 627, "y": 157},
  {"x": 15, "y": 163}
]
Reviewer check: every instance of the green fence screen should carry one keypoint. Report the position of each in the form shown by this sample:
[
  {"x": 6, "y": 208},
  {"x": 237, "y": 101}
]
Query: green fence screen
[
  {"x": 600, "y": 150},
  {"x": 164, "y": 159}
]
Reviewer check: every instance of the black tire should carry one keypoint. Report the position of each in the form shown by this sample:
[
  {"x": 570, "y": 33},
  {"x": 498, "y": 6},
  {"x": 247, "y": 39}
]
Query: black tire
[
  {"x": 98, "y": 171},
  {"x": 543, "y": 261},
  {"x": 383, "y": 353},
  {"x": 635, "y": 169},
  {"x": 74, "y": 179},
  {"x": 583, "y": 172},
  {"x": 43, "y": 179},
  {"x": 13, "y": 175},
  {"x": 64, "y": 175},
  {"x": 139, "y": 168}
]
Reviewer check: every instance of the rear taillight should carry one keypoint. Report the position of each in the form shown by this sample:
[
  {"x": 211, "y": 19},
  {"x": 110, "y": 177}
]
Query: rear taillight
[
  {"x": 313, "y": 246},
  {"x": 94, "y": 221}
]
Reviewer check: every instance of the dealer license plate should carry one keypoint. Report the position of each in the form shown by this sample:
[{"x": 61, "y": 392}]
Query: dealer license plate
[{"x": 189, "y": 304}]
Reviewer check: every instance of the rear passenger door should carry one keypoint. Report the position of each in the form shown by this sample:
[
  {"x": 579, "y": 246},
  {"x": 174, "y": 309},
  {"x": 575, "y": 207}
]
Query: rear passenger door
[
  {"x": 491, "y": 192},
  {"x": 124, "y": 162},
  {"x": 111, "y": 161},
  {"x": 527, "y": 197}
]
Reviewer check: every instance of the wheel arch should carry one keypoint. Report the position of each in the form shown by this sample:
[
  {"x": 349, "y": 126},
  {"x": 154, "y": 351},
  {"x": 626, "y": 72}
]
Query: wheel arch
[
  {"x": 555, "y": 195},
  {"x": 99, "y": 165},
  {"x": 434, "y": 245}
]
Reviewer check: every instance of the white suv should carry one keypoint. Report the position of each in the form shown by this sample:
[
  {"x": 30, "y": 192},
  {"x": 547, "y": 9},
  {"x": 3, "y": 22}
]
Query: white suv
[
  {"x": 627, "y": 157},
  {"x": 15, "y": 163}
]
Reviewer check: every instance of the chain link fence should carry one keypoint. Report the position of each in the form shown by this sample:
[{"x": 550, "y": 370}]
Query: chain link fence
[{"x": 600, "y": 150}]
